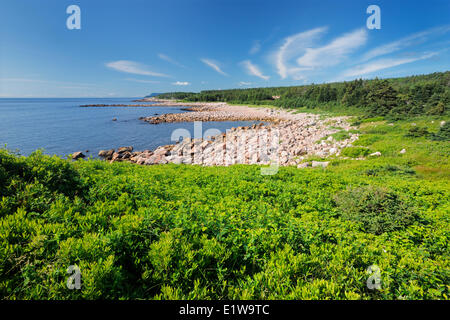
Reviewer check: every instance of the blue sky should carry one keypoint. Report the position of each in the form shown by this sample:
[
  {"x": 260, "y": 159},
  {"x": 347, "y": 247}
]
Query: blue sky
[{"x": 135, "y": 47}]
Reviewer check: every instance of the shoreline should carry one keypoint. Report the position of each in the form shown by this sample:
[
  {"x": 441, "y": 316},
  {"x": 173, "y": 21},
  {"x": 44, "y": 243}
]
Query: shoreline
[{"x": 287, "y": 139}]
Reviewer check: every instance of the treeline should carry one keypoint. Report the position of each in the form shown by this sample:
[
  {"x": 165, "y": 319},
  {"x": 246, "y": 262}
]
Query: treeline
[
  {"x": 176, "y": 95},
  {"x": 394, "y": 98}
]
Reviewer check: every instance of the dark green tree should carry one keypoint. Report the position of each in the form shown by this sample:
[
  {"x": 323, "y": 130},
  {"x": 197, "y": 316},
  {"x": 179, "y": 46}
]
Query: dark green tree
[{"x": 382, "y": 98}]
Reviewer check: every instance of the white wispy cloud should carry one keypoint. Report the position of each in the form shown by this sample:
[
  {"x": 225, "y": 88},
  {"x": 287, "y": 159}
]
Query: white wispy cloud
[
  {"x": 412, "y": 40},
  {"x": 244, "y": 84},
  {"x": 181, "y": 83},
  {"x": 292, "y": 47},
  {"x": 164, "y": 57},
  {"x": 381, "y": 64},
  {"x": 334, "y": 52},
  {"x": 142, "y": 81},
  {"x": 214, "y": 65},
  {"x": 254, "y": 70},
  {"x": 128, "y": 66}
]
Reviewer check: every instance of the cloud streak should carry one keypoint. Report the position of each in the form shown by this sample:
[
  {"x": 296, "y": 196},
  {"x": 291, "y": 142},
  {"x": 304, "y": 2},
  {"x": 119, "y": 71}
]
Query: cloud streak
[
  {"x": 132, "y": 67},
  {"x": 181, "y": 83},
  {"x": 254, "y": 70},
  {"x": 214, "y": 65},
  {"x": 170, "y": 60},
  {"x": 414, "y": 39},
  {"x": 293, "y": 46},
  {"x": 334, "y": 52},
  {"x": 382, "y": 64}
]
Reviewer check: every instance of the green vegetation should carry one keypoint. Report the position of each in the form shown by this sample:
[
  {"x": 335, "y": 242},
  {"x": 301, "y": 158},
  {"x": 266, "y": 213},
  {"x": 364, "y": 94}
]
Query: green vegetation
[
  {"x": 394, "y": 99},
  {"x": 190, "y": 232},
  {"x": 415, "y": 132},
  {"x": 175, "y": 95},
  {"x": 377, "y": 210},
  {"x": 355, "y": 152},
  {"x": 443, "y": 134}
]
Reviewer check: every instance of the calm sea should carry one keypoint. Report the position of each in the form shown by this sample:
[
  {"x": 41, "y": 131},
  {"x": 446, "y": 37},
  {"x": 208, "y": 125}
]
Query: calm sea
[{"x": 60, "y": 126}]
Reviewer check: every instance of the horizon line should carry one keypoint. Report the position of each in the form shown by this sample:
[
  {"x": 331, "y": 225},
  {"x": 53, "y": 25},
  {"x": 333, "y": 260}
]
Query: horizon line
[{"x": 234, "y": 88}]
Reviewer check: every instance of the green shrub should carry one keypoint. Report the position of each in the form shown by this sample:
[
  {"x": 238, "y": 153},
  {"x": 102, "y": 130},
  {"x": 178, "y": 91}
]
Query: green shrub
[
  {"x": 377, "y": 210},
  {"x": 374, "y": 119},
  {"x": 443, "y": 134},
  {"x": 355, "y": 152},
  {"x": 416, "y": 132},
  {"x": 34, "y": 182},
  {"x": 366, "y": 140},
  {"x": 389, "y": 169}
]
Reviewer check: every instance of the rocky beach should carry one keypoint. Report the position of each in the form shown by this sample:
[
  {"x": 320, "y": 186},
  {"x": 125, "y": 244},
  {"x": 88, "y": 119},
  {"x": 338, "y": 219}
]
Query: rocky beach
[{"x": 282, "y": 137}]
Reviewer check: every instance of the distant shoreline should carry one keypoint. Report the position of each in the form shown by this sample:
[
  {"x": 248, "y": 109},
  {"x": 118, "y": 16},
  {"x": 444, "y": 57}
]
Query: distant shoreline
[{"x": 119, "y": 105}]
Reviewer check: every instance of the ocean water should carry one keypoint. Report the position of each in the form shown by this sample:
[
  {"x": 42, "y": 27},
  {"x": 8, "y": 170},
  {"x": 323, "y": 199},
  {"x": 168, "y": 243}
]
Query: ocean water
[{"x": 60, "y": 126}]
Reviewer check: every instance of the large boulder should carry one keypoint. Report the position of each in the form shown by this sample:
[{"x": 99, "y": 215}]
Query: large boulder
[
  {"x": 375, "y": 154},
  {"x": 125, "y": 149},
  {"x": 78, "y": 155},
  {"x": 323, "y": 164},
  {"x": 157, "y": 158},
  {"x": 115, "y": 157},
  {"x": 125, "y": 155},
  {"x": 161, "y": 151},
  {"x": 107, "y": 154}
]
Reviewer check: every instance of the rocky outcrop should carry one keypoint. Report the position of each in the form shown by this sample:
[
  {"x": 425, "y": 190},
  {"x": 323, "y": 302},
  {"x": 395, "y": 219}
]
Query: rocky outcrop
[
  {"x": 107, "y": 154},
  {"x": 125, "y": 149},
  {"x": 285, "y": 138},
  {"x": 78, "y": 155},
  {"x": 284, "y": 143}
]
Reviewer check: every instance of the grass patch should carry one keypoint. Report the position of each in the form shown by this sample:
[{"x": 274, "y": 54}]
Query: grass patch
[{"x": 355, "y": 152}]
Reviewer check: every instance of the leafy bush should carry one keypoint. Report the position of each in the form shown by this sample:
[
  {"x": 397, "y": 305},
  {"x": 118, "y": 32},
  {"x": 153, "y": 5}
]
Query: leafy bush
[
  {"x": 416, "y": 132},
  {"x": 366, "y": 140},
  {"x": 355, "y": 152},
  {"x": 378, "y": 210},
  {"x": 443, "y": 134},
  {"x": 34, "y": 182},
  {"x": 389, "y": 169}
]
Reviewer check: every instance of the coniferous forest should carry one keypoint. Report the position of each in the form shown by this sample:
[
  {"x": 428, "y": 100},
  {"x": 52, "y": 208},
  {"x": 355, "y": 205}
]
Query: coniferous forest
[{"x": 397, "y": 98}]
